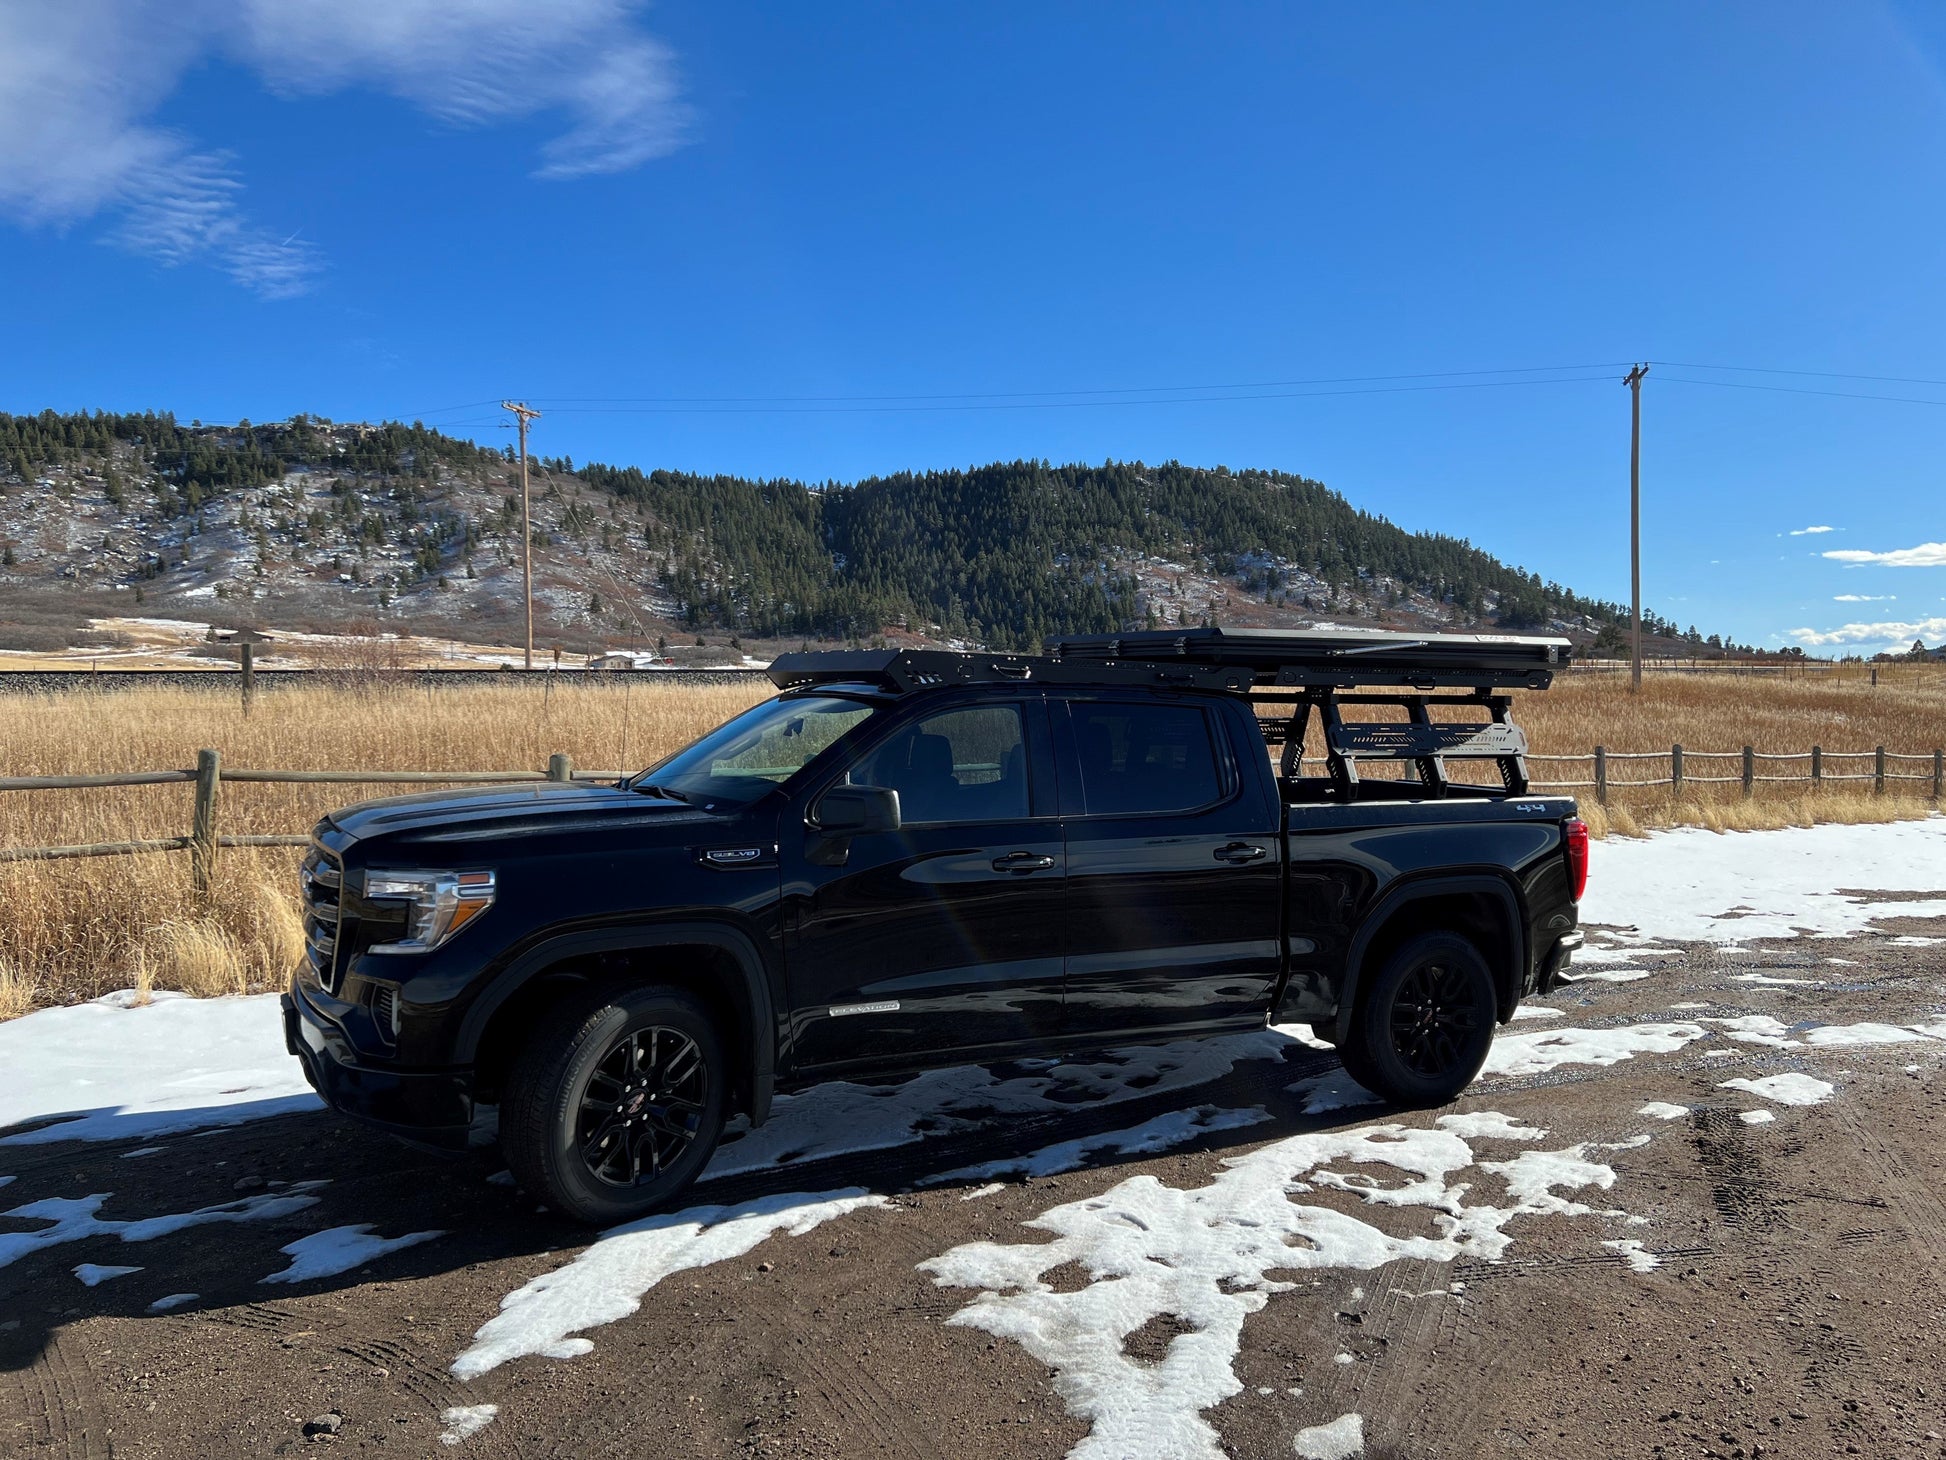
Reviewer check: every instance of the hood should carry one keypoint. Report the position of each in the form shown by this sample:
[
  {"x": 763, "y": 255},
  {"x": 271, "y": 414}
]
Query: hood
[{"x": 495, "y": 811}]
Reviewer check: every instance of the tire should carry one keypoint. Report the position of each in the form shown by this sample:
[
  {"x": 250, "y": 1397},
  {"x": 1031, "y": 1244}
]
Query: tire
[
  {"x": 1425, "y": 1023},
  {"x": 615, "y": 1103}
]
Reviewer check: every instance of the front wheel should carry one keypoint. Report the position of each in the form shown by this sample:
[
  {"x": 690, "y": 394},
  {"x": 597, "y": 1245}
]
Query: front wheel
[
  {"x": 1425, "y": 1023},
  {"x": 616, "y": 1103}
]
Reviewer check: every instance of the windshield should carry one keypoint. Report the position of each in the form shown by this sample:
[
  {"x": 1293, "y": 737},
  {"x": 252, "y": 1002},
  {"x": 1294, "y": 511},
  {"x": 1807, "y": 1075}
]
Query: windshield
[{"x": 761, "y": 748}]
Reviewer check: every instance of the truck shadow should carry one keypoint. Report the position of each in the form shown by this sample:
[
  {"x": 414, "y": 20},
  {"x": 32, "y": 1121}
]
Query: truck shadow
[{"x": 207, "y": 1219}]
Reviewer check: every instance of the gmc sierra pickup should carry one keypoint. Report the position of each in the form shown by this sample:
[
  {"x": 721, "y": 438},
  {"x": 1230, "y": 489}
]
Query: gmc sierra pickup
[{"x": 908, "y": 859}]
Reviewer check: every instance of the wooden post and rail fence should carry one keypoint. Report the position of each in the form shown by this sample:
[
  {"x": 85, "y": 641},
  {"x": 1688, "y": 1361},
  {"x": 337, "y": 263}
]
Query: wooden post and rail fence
[
  {"x": 204, "y": 841},
  {"x": 1750, "y": 772}
]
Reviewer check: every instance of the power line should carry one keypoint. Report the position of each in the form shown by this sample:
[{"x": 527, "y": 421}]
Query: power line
[
  {"x": 704, "y": 400},
  {"x": 1820, "y": 374},
  {"x": 1805, "y": 390},
  {"x": 1039, "y": 405}
]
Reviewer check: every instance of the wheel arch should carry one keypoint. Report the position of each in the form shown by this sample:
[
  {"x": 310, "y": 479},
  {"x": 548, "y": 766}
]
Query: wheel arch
[
  {"x": 718, "y": 963},
  {"x": 1482, "y": 906}
]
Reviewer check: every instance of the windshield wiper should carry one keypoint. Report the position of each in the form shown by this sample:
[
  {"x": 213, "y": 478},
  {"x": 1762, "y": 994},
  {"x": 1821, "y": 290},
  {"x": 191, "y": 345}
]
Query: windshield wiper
[{"x": 651, "y": 788}]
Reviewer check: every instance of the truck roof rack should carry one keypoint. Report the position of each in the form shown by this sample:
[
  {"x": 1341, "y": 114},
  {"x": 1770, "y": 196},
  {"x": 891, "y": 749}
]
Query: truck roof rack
[
  {"x": 1342, "y": 657},
  {"x": 1307, "y": 670},
  {"x": 1236, "y": 660}
]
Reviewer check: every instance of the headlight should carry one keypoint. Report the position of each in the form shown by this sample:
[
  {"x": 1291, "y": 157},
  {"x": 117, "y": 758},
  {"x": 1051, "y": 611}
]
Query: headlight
[{"x": 438, "y": 904}]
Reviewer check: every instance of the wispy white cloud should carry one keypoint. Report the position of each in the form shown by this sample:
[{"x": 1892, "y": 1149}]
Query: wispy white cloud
[
  {"x": 80, "y": 81},
  {"x": 1869, "y": 635},
  {"x": 1925, "y": 555},
  {"x": 1808, "y": 531},
  {"x": 1865, "y": 598}
]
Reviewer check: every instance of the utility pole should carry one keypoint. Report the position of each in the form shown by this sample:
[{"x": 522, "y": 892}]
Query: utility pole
[
  {"x": 524, "y": 414},
  {"x": 1633, "y": 380}
]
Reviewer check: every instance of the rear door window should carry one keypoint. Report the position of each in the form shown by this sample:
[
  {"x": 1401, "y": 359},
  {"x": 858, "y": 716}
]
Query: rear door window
[{"x": 1154, "y": 759}]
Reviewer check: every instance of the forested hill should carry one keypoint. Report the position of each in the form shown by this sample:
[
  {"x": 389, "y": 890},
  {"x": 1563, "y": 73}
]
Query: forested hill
[
  {"x": 324, "y": 519},
  {"x": 1015, "y": 551}
]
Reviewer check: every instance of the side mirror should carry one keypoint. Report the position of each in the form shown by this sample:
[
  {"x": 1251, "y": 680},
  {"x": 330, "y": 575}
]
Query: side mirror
[{"x": 857, "y": 811}]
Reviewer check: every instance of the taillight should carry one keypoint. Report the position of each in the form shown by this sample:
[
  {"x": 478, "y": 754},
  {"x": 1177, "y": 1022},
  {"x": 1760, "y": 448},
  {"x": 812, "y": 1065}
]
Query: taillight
[{"x": 1577, "y": 845}]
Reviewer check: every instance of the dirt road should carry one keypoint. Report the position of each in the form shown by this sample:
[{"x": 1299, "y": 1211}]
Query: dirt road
[{"x": 1604, "y": 1249}]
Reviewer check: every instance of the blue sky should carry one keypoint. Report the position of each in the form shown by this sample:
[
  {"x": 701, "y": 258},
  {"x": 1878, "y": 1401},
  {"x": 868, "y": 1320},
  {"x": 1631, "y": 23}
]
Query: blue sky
[{"x": 725, "y": 238}]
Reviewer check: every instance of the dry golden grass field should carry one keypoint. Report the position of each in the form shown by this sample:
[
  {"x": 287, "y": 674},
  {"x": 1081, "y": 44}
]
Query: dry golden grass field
[{"x": 72, "y": 929}]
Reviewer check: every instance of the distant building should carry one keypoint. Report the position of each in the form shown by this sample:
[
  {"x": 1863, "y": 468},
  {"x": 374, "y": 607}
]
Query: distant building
[{"x": 629, "y": 661}]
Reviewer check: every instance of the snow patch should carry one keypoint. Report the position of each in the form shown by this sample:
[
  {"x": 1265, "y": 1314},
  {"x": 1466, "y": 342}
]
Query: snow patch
[
  {"x": 606, "y": 1282},
  {"x": 1612, "y": 975},
  {"x": 1204, "y": 1255},
  {"x": 1766, "y": 981},
  {"x": 1534, "y": 1054},
  {"x": 1334, "y": 1091},
  {"x": 1677, "y": 885},
  {"x": 1621, "y": 955},
  {"x": 114, "y": 1070},
  {"x": 1489, "y": 1125},
  {"x": 173, "y": 1300},
  {"x": 979, "y": 1191},
  {"x": 1787, "y": 1089},
  {"x": 1343, "y": 1438},
  {"x": 1634, "y": 1254},
  {"x": 1536, "y": 1011},
  {"x": 1663, "y": 1110},
  {"x": 93, "y": 1273},
  {"x": 72, "y": 1218},
  {"x": 340, "y": 1249},
  {"x": 464, "y": 1421},
  {"x": 1170, "y": 1129},
  {"x": 1756, "y": 1117}
]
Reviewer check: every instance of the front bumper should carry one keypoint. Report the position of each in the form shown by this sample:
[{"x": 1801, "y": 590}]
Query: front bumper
[{"x": 433, "y": 1108}]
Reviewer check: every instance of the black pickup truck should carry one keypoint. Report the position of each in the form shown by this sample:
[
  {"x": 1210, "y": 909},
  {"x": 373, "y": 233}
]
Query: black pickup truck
[{"x": 908, "y": 859}]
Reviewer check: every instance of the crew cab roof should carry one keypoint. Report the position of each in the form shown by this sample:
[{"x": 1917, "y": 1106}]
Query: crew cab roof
[{"x": 1232, "y": 660}]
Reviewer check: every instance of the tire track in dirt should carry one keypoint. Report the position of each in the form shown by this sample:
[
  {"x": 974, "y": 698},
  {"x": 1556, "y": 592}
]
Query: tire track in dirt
[
  {"x": 1909, "y": 1194},
  {"x": 597, "y": 1423},
  {"x": 1388, "y": 1390},
  {"x": 71, "y": 1420}
]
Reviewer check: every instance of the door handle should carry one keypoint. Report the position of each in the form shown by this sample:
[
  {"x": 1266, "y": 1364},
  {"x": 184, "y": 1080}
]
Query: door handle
[
  {"x": 1022, "y": 862},
  {"x": 1239, "y": 852}
]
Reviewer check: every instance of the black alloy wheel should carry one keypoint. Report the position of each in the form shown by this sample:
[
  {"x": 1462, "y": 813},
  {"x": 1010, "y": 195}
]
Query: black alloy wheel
[
  {"x": 1434, "y": 1018},
  {"x": 1424, "y": 1021},
  {"x": 615, "y": 1103},
  {"x": 642, "y": 1106}
]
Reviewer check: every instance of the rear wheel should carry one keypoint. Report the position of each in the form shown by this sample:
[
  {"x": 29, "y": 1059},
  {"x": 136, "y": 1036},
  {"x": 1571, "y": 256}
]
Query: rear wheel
[
  {"x": 1425, "y": 1023},
  {"x": 616, "y": 1103}
]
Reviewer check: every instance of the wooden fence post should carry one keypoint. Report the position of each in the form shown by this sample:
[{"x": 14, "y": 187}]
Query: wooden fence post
[
  {"x": 1675, "y": 771},
  {"x": 1601, "y": 774},
  {"x": 1878, "y": 768},
  {"x": 1938, "y": 764},
  {"x": 202, "y": 831},
  {"x": 1749, "y": 771},
  {"x": 1817, "y": 765},
  {"x": 560, "y": 767},
  {"x": 249, "y": 676}
]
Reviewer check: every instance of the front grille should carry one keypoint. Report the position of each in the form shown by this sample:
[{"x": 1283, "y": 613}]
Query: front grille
[{"x": 321, "y": 881}]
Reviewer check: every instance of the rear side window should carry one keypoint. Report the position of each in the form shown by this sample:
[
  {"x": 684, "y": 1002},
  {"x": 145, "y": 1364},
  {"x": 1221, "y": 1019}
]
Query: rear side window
[{"x": 1144, "y": 758}]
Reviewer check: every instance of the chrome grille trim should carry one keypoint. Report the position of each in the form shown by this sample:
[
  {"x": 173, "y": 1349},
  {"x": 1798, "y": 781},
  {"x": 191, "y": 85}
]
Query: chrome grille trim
[{"x": 321, "y": 881}]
